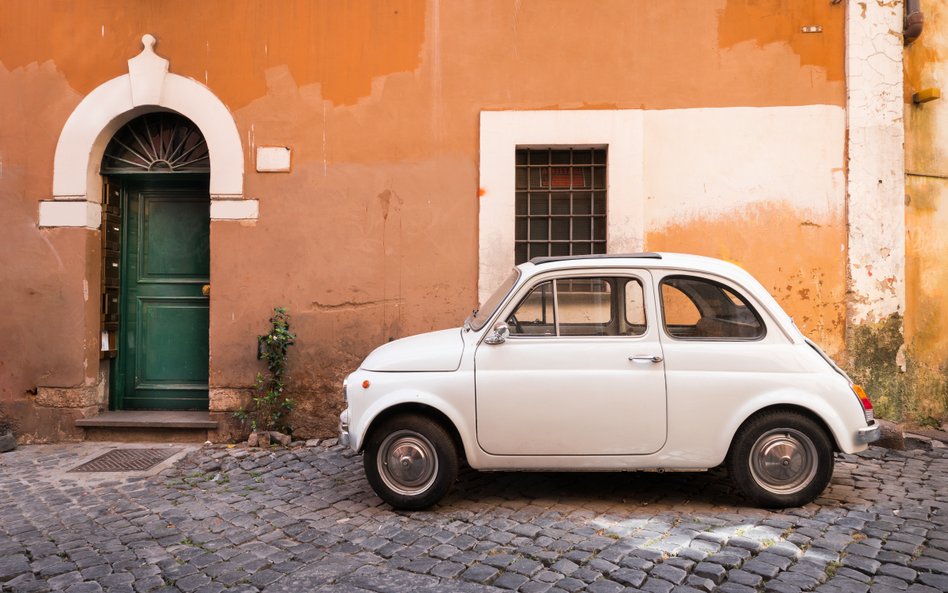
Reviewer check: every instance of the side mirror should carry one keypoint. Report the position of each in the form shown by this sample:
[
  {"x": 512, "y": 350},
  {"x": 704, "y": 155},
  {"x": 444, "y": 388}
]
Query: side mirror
[{"x": 499, "y": 335}]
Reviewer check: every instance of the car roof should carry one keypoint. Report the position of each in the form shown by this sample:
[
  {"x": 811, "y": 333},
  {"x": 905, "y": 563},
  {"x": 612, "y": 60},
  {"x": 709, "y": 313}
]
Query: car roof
[{"x": 648, "y": 259}]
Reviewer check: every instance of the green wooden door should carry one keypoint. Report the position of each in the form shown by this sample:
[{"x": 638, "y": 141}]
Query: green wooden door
[{"x": 162, "y": 358}]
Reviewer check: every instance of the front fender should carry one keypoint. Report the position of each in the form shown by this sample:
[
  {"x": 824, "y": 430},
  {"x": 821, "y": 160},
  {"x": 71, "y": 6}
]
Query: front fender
[{"x": 450, "y": 400}]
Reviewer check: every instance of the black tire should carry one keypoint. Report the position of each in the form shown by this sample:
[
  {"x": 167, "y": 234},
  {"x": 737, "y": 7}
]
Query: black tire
[
  {"x": 427, "y": 456},
  {"x": 781, "y": 459}
]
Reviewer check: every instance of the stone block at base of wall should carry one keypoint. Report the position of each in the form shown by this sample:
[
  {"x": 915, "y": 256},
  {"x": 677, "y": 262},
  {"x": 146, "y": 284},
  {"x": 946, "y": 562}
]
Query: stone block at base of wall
[
  {"x": 229, "y": 428},
  {"x": 227, "y": 399},
  {"x": 39, "y": 424},
  {"x": 891, "y": 436},
  {"x": 7, "y": 442},
  {"x": 69, "y": 397}
]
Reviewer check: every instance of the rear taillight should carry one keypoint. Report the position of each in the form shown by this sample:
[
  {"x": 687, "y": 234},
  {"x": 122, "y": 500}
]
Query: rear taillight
[{"x": 864, "y": 401}]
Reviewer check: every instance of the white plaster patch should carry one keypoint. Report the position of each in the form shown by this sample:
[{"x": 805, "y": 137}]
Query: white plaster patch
[
  {"x": 58, "y": 213},
  {"x": 711, "y": 162},
  {"x": 876, "y": 200},
  {"x": 273, "y": 159},
  {"x": 234, "y": 209}
]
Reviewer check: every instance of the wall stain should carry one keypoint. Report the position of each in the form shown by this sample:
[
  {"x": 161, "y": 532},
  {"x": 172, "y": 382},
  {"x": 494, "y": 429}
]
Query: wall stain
[
  {"x": 343, "y": 46},
  {"x": 766, "y": 22},
  {"x": 799, "y": 264},
  {"x": 901, "y": 386},
  {"x": 352, "y": 305}
]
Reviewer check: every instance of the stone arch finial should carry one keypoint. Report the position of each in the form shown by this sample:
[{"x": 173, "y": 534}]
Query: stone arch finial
[
  {"x": 148, "y": 86},
  {"x": 147, "y": 71}
]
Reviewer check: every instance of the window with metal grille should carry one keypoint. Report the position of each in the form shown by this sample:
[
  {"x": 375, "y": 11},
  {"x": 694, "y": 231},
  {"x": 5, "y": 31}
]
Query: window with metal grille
[{"x": 560, "y": 202}]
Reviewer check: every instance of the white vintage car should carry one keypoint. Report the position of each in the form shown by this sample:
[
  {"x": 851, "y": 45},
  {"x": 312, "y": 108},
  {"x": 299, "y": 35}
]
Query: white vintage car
[{"x": 650, "y": 361}]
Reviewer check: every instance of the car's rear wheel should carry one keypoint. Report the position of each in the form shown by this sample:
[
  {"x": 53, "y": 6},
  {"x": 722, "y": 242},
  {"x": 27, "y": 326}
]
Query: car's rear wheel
[
  {"x": 410, "y": 461},
  {"x": 781, "y": 459}
]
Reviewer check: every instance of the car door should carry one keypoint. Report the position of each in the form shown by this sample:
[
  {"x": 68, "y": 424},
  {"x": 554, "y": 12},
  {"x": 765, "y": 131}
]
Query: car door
[{"x": 581, "y": 372}]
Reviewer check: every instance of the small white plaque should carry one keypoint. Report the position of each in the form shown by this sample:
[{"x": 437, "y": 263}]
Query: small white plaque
[{"x": 273, "y": 159}]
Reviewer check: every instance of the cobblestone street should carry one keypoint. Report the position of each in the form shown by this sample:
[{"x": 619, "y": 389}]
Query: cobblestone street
[{"x": 304, "y": 519}]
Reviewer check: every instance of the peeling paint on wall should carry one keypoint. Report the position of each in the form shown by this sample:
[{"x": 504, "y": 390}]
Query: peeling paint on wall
[
  {"x": 902, "y": 386},
  {"x": 764, "y": 239},
  {"x": 343, "y": 46},
  {"x": 758, "y": 23}
]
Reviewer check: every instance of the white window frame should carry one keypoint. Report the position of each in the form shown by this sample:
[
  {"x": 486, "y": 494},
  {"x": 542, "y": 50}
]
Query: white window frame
[{"x": 502, "y": 132}]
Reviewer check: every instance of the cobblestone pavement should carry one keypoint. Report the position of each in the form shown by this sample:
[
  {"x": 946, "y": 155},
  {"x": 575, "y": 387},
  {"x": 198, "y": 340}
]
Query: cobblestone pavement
[{"x": 304, "y": 519}]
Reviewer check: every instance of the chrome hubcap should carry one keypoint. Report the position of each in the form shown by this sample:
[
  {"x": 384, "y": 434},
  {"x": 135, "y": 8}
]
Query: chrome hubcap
[
  {"x": 407, "y": 463},
  {"x": 783, "y": 461}
]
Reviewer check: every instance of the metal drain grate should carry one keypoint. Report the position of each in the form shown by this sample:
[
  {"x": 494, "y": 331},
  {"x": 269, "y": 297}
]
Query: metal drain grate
[{"x": 126, "y": 460}]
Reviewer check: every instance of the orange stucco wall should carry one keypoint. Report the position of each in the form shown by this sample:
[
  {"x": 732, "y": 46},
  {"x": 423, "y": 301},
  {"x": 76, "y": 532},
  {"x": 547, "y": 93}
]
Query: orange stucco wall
[
  {"x": 373, "y": 234},
  {"x": 809, "y": 283}
]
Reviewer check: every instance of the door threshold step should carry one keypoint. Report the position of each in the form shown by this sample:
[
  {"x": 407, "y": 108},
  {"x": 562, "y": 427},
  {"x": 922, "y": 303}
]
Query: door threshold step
[{"x": 149, "y": 419}]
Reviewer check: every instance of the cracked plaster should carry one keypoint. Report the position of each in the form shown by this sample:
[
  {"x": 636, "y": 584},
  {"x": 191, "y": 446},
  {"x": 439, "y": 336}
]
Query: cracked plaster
[{"x": 876, "y": 186}]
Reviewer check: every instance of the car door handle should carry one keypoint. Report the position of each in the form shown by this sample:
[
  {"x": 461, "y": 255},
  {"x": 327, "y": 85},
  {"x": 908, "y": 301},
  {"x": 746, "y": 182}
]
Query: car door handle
[{"x": 646, "y": 358}]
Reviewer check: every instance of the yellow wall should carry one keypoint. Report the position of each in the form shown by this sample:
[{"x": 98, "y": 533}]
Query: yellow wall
[{"x": 926, "y": 164}]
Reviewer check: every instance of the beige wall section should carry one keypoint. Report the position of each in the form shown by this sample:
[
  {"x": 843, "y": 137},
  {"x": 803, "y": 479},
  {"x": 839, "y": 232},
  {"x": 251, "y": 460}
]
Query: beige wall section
[
  {"x": 373, "y": 234},
  {"x": 926, "y": 219}
]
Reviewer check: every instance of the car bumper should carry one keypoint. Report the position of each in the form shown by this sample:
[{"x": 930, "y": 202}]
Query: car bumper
[
  {"x": 869, "y": 434},
  {"x": 344, "y": 438}
]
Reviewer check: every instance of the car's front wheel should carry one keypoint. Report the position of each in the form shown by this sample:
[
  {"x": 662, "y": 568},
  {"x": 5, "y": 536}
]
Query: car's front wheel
[
  {"x": 781, "y": 459},
  {"x": 410, "y": 461}
]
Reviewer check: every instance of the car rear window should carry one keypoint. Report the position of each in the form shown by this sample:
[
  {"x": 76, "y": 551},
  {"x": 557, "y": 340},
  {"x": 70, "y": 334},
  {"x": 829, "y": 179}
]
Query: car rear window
[{"x": 701, "y": 309}]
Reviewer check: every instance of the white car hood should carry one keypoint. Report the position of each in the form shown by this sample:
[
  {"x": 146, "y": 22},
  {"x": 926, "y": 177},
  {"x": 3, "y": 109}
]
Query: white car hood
[{"x": 433, "y": 351}]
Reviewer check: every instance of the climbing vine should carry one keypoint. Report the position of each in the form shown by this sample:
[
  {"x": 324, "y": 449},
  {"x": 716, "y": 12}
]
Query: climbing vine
[{"x": 271, "y": 407}]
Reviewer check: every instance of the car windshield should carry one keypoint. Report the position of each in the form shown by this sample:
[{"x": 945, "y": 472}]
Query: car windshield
[{"x": 479, "y": 317}]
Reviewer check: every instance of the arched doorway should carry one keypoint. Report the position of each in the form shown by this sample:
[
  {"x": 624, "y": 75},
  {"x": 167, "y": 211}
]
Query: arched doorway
[{"x": 156, "y": 263}]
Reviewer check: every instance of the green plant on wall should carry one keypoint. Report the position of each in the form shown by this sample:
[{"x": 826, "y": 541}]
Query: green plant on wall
[{"x": 271, "y": 407}]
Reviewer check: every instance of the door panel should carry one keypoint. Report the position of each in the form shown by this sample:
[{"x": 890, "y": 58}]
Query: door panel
[
  {"x": 174, "y": 239},
  {"x": 163, "y": 352},
  {"x": 572, "y": 395},
  {"x": 165, "y": 363}
]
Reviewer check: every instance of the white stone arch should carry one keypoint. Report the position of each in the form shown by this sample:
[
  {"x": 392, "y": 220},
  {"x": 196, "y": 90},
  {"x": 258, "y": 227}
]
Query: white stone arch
[{"x": 148, "y": 86}]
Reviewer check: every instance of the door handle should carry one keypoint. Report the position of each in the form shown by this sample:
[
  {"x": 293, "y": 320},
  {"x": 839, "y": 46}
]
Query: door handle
[
  {"x": 646, "y": 358},
  {"x": 206, "y": 290}
]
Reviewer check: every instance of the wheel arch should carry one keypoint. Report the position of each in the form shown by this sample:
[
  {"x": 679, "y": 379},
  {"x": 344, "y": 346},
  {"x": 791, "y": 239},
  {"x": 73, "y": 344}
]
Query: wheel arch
[
  {"x": 777, "y": 408},
  {"x": 418, "y": 409}
]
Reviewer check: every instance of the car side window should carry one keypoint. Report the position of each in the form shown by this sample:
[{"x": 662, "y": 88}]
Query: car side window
[
  {"x": 534, "y": 315},
  {"x": 595, "y": 306},
  {"x": 585, "y": 306},
  {"x": 697, "y": 308}
]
